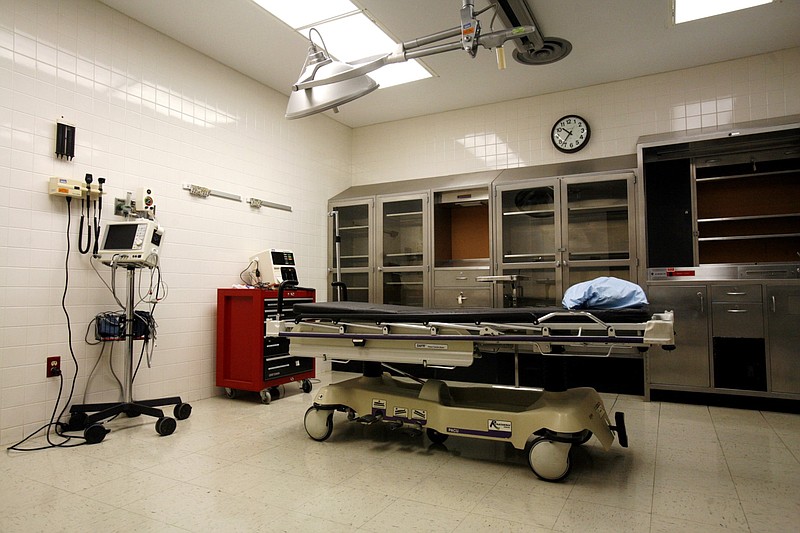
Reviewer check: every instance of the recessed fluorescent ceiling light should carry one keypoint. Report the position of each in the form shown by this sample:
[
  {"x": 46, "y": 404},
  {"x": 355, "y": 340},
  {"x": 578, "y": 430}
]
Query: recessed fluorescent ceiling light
[
  {"x": 348, "y": 33},
  {"x": 686, "y": 10}
]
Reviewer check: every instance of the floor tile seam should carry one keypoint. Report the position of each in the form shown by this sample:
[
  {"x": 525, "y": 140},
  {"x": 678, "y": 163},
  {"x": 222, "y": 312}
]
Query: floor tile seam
[
  {"x": 452, "y": 509},
  {"x": 654, "y": 514},
  {"x": 489, "y": 515},
  {"x": 611, "y": 508}
]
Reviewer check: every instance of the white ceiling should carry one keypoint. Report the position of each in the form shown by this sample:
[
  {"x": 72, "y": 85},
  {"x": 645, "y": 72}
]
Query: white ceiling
[{"x": 612, "y": 40}]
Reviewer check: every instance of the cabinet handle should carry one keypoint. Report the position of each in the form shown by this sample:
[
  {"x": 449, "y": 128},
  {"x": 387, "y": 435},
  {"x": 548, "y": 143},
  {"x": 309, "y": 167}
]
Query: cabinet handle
[
  {"x": 461, "y": 278},
  {"x": 774, "y": 309},
  {"x": 735, "y": 293},
  {"x": 461, "y": 298},
  {"x": 737, "y": 310},
  {"x": 702, "y": 302}
]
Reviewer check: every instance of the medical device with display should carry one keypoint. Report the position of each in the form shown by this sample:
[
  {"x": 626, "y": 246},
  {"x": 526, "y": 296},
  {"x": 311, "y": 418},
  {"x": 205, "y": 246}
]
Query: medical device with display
[
  {"x": 273, "y": 267},
  {"x": 136, "y": 242}
]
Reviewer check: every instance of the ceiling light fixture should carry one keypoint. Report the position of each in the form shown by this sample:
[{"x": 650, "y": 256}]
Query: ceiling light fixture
[
  {"x": 325, "y": 83},
  {"x": 688, "y": 10}
]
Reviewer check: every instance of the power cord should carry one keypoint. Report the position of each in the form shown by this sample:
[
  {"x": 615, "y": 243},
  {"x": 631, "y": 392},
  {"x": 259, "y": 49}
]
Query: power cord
[{"x": 53, "y": 426}]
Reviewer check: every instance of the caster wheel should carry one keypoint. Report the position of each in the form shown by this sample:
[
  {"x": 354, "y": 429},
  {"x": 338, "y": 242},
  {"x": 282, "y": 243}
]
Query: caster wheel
[
  {"x": 77, "y": 422},
  {"x": 548, "y": 459},
  {"x": 266, "y": 397},
  {"x": 306, "y": 386},
  {"x": 182, "y": 411},
  {"x": 165, "y": 426},
  {"x": 275, "y": 392},
  {"x": 231, "y": 393},
  {"x": 435, "y": 436},
  {"x": 95, "y": 433},
  {"x": 318, "y": 423},
  {"x": 351, "y": 415}
]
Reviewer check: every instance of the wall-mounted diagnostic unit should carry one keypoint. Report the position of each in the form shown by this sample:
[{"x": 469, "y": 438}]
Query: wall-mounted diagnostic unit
[
  {"x": 132, "y": 242},
  {"x": 275, "y": 266}
]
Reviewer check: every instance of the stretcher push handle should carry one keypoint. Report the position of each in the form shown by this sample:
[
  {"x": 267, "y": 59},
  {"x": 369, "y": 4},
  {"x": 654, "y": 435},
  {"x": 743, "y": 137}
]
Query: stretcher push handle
[{"x": 281, "y": 288}]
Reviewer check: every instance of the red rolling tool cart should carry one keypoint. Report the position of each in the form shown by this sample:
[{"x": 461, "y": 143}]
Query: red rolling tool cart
[{"x": 248, "y": 360}]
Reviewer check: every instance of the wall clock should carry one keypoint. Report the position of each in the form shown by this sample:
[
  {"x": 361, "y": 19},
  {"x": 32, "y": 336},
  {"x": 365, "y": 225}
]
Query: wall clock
[{"x": 570, "y": 134}]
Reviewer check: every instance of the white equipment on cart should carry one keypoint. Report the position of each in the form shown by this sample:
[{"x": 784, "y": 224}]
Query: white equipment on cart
[
  {"x": 273, "y": 267},
  {"x": 544, "y": 423}
]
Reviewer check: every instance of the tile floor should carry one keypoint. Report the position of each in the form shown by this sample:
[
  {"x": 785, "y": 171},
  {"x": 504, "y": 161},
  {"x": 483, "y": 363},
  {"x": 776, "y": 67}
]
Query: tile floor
[{"x": 238, "y": 465}]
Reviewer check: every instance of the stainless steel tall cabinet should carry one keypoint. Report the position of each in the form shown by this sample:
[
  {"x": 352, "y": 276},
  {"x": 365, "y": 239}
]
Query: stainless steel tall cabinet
[
  {"x": 533, "y": 230},
  {"x": 552, "y": 233},
  {"x": 720, "y": 213}
]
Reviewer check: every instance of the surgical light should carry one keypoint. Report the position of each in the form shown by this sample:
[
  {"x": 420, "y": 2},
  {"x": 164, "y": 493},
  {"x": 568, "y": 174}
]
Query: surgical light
[{"x": 326, "y": 83}]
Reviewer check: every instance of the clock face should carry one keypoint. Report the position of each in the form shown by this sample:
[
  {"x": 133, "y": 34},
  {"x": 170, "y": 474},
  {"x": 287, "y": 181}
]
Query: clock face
[{"x": 570, "y": 134}]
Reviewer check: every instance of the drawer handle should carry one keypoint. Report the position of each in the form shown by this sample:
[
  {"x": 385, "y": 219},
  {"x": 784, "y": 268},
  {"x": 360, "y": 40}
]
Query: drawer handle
[
  {"x": 737, "y": 310},
  {"x": 735, "y": 293},
  {"x": 461, "y": 278}
]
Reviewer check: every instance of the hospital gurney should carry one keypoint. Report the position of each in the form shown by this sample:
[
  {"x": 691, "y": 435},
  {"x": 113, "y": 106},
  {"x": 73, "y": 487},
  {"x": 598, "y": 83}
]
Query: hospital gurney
[{"x": 544, "y": 423}]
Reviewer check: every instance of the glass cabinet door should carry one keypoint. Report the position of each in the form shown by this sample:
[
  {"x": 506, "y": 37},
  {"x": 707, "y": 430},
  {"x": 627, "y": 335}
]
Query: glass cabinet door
[
  {"x": 529, "y": 225},
  {"x": 355, "y": 249},
  {"x": 598, "y": 231},
  {"x": 528, "y": 242},
  {"x": 403, "y": 255},
  {"x": 555, "y": 232}
]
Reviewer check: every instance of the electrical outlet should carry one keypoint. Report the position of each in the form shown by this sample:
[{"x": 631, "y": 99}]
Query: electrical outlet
[{"x": 53, "y": 366}]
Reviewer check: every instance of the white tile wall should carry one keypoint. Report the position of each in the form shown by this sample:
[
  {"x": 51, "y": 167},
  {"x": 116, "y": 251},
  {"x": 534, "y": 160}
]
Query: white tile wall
[
  {"x": 516, "y": 133},
  {"x": 148, "y": 111}
]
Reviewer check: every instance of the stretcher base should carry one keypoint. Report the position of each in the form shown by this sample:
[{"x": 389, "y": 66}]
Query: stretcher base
[{"x": 544, "y": 424}]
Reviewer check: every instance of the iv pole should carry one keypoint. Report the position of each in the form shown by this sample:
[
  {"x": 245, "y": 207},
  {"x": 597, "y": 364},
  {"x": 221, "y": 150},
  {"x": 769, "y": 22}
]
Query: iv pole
[{"x": 337, "y": 246}]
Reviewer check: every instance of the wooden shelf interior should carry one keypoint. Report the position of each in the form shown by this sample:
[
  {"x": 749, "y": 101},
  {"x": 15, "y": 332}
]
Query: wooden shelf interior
[{"x": 461, "y": 232}]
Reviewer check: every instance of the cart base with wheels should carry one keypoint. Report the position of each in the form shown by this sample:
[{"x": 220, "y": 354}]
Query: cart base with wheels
[{"x": 544, "y": 424}]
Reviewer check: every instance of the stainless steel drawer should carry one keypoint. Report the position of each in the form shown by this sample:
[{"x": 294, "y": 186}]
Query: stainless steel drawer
[
  {"x": 736, "y": 293},
  {"x": 459, "y": 278},
  {"x": 453, "y": 298},
  {"x": 737, "y": 320}
]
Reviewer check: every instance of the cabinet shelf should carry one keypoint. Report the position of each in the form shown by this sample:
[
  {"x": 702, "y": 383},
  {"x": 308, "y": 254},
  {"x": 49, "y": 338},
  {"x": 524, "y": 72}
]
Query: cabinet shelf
[
  {"x": 605, "y": 254},
  {"x": 406, "y": 254},
  {"x": 403, "y": 283},
  {"x": 598, "y": 208},
  {"x": 748, "y": 217},
  {"x": 404, "y": 214},
  {"x": 353, "y": 228},
  {"x": 364, "y": 256},
  {"x": 749, "y": 237},
  {"x": 532, "y": 257},
  {"x": 748, "y": 175},
  {"x": 532, "y": 212}
]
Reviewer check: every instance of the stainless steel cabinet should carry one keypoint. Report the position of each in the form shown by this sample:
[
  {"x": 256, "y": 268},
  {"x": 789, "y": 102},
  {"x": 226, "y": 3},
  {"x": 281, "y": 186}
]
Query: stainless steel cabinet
[
  {"x": 402, "y": 254},
  {"x": 553, "y": 233},
  {"x": 355, "y": 224},
  {"x": 783, "y": 319},
  {"x": 687, "y": 365}
]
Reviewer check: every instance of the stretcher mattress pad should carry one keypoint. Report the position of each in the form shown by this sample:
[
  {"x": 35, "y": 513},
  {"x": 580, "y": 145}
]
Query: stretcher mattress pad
[{"x": 378, "y": 313}]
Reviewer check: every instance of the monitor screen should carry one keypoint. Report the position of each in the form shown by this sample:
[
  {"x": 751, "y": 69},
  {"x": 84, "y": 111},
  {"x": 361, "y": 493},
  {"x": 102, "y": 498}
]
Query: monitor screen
[
  {"x": 120, "y": 236},
  {"x": 282, "y": 257}
]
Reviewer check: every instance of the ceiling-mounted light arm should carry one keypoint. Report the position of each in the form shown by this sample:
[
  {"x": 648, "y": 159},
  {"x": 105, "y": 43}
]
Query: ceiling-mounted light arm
[
  {"x": 325, "y": 83},
  {"x": 370, "y": 64},
  {"x": 470, "y": 28}
]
